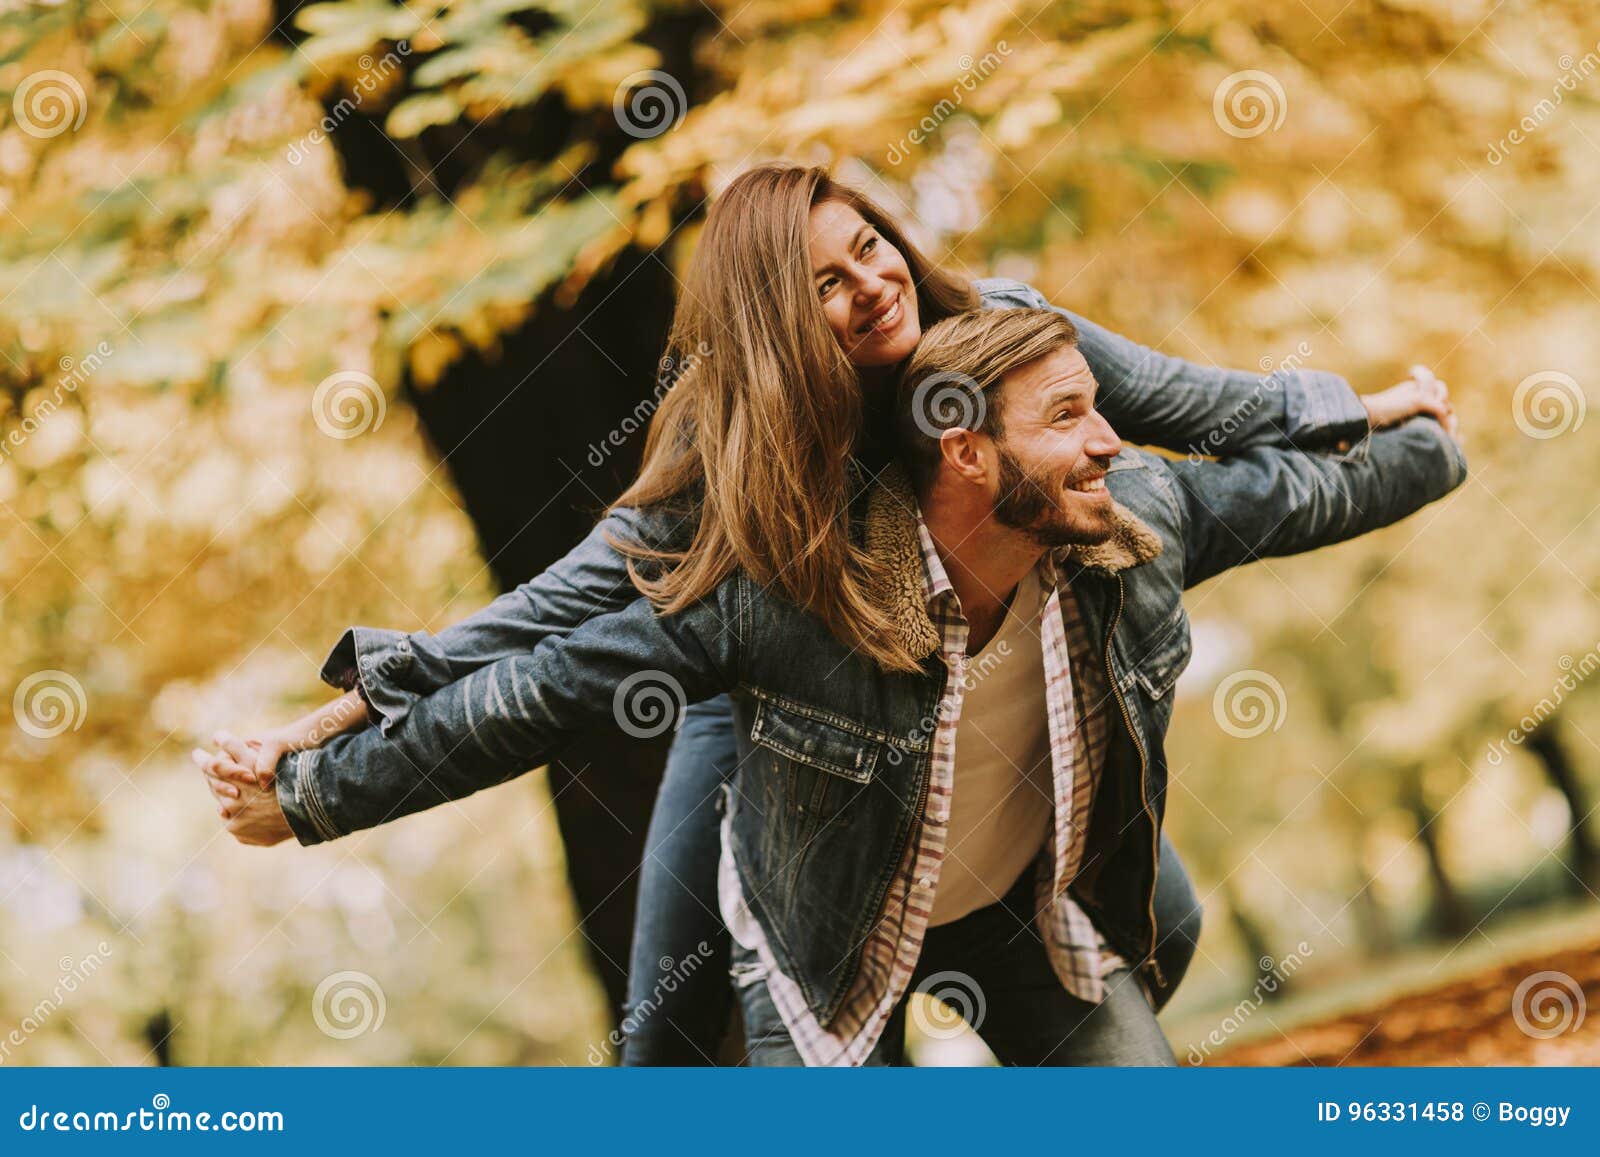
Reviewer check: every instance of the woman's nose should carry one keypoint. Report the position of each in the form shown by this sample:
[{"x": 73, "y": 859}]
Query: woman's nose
[{"x": 869, "y": 287}]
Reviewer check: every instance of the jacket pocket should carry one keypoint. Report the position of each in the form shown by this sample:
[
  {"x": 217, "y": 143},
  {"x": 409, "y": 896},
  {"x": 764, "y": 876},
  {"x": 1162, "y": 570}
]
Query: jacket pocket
[
  {"x": 812, "y": 737},
  {"x": 815, "y": 767},
  {"x": 1161, "y": 657}
]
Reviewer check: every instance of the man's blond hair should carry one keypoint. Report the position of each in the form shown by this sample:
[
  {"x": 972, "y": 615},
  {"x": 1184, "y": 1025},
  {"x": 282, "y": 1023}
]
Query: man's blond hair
[{"x": 949, "y": 382}]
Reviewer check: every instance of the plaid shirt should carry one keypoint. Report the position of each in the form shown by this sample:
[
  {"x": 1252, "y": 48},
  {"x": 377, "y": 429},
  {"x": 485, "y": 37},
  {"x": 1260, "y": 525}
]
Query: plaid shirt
[{"x": 1077, "y": 719}]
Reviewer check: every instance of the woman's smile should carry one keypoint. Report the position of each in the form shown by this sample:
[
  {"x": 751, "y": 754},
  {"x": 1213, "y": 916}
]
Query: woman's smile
[{"x": 884, "y": 320}]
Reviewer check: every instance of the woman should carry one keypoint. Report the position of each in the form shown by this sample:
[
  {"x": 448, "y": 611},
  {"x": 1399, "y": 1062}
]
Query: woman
[{"x": 802, "y": 300}]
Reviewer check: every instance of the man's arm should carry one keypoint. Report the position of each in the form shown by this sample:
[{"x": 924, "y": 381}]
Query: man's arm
[
  {"x": 632, "y": 668},
  {"x": 1267, "y": 503},
  {"x": 393, "y": 669},
  {"x": 1159, "y": 400}
]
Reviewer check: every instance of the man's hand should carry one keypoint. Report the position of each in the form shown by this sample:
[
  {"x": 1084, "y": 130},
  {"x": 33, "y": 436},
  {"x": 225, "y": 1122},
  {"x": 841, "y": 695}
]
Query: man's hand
[
  {"x": 250, "y": 811},
  {"x": 1421, "y": 393}
]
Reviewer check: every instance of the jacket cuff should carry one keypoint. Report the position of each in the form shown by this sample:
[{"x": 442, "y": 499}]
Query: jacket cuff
[
  {"x": 1321, "y": 411},
  {"x": 374, "y": 662},
  {"x": 295, "y": 780}
]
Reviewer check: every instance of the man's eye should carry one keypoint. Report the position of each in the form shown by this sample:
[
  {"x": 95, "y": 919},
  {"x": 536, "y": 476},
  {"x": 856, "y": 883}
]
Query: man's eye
[{"x": 870, "y": 244}]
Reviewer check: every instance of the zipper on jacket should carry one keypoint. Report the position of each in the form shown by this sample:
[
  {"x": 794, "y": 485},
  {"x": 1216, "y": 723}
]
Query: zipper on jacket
[{"x": 1144, "y": 799}]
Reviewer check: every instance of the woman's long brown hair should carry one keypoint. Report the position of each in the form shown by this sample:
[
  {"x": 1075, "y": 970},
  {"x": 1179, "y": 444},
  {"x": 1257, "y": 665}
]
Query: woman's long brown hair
[{"x": 758, "y": 429}]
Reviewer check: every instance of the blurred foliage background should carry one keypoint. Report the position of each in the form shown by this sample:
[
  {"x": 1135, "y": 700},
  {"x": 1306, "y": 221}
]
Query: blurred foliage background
[{"x": 312, "y": 315}]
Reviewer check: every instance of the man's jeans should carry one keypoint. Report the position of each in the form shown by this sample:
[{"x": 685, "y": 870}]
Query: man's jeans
[
  {"x": 679, "y": 999},
  {"x": 993, "y": 969}
]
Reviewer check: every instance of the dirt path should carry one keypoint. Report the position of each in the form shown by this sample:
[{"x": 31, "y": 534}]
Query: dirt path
[{"x": 1464, "y": 1022}]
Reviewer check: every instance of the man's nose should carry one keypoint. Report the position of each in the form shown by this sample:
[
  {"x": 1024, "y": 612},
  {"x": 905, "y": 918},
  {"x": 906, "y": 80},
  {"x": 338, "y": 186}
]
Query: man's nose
[{"x": 1103, "y": 441}]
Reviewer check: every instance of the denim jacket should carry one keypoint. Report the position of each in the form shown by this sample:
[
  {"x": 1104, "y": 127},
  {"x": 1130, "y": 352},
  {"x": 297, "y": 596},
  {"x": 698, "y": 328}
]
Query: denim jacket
[
  {"x": 1148, "y": 398},
  {"x": 834, "y": 752}
]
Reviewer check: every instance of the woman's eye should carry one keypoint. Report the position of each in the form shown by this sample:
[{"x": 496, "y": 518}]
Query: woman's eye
[
  {"x": 824, "y": 286},
  {"x": 870, "y": 244}
]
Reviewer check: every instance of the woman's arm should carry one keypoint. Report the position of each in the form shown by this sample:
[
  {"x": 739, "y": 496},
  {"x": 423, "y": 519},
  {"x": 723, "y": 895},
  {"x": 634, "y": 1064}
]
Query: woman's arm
[
  {"x": 393, "y": 669},
  {"x": 251, "y": 760},
  {"x": 1267, "y": 503},
  {"x": 500, "y": 721},
  {"x": 1160, "y": 400}
]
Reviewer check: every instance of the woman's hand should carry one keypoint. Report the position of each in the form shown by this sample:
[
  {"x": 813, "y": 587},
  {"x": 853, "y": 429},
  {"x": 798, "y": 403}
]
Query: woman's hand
[
  {"x": 241, "y": 769},
  {"x": 1421, "y": 393}
]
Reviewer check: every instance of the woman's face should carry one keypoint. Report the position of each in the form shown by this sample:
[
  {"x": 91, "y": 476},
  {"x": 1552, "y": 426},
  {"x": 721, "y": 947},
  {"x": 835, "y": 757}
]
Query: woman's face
[{"x": 864, "y": 286}]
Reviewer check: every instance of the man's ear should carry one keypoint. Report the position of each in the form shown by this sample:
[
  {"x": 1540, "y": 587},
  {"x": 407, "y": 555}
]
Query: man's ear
[{"x": 962, "y": 452}]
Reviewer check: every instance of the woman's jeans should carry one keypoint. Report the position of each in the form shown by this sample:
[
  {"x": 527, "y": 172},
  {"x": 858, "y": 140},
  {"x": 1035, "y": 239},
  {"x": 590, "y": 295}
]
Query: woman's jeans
[
  {"x": 989, "y": 967},
  {"x": 680, "y": 999}
]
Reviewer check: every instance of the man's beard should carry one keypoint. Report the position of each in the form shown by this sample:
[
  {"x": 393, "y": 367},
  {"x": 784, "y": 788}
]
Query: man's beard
[{"x": 1029, "y": 502}]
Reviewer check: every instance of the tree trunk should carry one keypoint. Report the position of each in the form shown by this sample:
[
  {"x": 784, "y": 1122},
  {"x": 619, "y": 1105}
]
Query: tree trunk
[
  {"x": 1547, "y": 746},
  {"x": 1449, "y": 914},
  {"x": 1255, "y": 941},
  {"x": 516, "y": 435}
]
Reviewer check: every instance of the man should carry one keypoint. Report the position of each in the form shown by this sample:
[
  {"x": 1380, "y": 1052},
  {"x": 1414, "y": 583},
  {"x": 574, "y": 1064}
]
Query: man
[{"x": 886, "y": 828}]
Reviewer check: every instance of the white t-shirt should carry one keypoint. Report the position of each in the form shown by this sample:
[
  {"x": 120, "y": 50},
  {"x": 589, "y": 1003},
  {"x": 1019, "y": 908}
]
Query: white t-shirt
[{"x": 1002, "y": 803}]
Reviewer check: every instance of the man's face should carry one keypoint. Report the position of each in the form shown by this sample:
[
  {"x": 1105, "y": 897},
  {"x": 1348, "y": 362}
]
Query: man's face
[{"x": 1054, "y": 452}]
